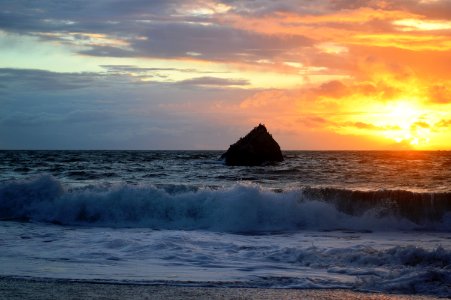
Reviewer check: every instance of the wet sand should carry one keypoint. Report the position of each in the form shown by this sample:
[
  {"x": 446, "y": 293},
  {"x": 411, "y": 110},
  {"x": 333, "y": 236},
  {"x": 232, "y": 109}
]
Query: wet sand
[{"x": 30, "y": 289}]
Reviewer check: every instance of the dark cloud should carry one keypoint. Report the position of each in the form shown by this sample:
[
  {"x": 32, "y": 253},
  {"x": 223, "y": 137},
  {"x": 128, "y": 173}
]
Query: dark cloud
[
  {"x": 81, "y": 15},
  {"x": 109, "y": 112},
  {"x": 269, "y": 7},
  {"x": 210, "y": 42},
  {"x": 29, "y": 80},
  {"x": 145, "y": 30},
  {"x": 46, "y": 80},
  {"x": 352, "y": 4},
  {"x": 109, "y": 51}
]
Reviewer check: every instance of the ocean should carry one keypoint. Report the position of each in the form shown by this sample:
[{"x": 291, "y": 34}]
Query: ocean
[{"x": 359, "y": 220}]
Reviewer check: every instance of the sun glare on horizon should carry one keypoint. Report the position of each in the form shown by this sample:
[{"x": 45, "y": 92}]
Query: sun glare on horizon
[{"x": 408, "y": 123}]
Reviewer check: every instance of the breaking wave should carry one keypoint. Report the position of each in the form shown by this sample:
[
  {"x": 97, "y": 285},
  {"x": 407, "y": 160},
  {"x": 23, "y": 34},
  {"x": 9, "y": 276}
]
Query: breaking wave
[
  {"x": 241, "y": 208},
  {"x": 400, "y": 269}
]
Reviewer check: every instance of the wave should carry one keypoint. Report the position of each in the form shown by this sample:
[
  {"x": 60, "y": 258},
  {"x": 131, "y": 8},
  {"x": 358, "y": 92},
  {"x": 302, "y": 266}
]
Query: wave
[
  {"x": 400, "y": 269},
  {"x": 407, "y": 270},
  {"x": 418, "y": 207},
  {"x": 242, "y": 208}
]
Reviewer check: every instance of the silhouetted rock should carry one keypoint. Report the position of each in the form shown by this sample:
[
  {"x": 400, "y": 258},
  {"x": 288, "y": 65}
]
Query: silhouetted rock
[{"x": 256, "y": 148}]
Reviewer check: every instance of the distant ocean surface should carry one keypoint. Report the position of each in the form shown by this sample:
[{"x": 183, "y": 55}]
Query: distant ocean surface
[{"x": 361, "y": 220}]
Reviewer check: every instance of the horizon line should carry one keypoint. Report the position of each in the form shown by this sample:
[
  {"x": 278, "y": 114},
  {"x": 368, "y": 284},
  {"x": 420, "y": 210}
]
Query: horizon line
[{"x": 218, "y": 150}]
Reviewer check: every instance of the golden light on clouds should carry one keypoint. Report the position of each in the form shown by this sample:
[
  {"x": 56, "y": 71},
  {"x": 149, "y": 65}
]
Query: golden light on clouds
[
  {"x": 393, "y": 113},
  {"x": 332, "y": 48},
  {"x": 321, "y": 74},
  {"x": 404, "y": 41},
  {"x": 415, "y": 24},
  {"x": 88, "y": 39}
]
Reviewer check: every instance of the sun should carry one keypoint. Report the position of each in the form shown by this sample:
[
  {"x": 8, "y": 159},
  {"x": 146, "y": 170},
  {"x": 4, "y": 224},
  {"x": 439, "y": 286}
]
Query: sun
[{"x": 406, "y": 122}]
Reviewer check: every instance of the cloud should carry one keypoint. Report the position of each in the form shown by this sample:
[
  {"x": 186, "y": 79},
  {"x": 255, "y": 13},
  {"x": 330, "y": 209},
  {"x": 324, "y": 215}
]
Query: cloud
[
  {"x": 108, "y": 51},
  {"x": 440, "y": 94},
  {"x": 113, "y": 113},
  {"x": 383, "y": 107},
  {"x": 312, "y": 121},
  {"x": 419, "y": 125},
  {"x": 351, "y": 23},
  {"x": 45, "y": 80},
  {"x": 327, "y": 67},
  {"x": 444, "y": 123},
  {"x": 333, "y": 88},
  {"x": 214, "y": 81},
  {"x": 142, "y": 30},
  {"x": 174, "y": 28},
  {"x": 436, "y": 9},
  {"x": 44, "y": 118},
  {"x": 135, "y": 69},
  {"x": 218, "y": 43},
  {"x": 81, "y": 16},
  {"x": 240, "y": 32},
  {"x": 363, "y": 125}
]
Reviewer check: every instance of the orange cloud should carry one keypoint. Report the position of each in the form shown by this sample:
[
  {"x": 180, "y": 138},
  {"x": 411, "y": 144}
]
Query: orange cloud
[
  {"x": 421, "y": 25},
  {"x": 388, "y": 109},
  {"x": 440, "y": 93},
  {"x": 444, "y": 123},
  {"x": 342, "y": 27}
]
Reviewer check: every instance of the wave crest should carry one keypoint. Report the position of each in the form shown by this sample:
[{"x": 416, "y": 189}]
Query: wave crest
[{"x": 237, "y": 209}]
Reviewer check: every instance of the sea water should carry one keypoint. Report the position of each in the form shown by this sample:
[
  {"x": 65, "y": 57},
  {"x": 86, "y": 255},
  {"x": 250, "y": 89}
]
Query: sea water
[{"x": 372, "y": 221}]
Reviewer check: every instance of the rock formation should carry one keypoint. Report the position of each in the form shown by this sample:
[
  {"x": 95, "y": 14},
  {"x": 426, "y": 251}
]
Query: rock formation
[{"x": 256, "y": 148}]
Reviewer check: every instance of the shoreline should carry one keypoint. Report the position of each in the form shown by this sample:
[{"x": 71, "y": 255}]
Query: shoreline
[{"x": 18, "y": 288}]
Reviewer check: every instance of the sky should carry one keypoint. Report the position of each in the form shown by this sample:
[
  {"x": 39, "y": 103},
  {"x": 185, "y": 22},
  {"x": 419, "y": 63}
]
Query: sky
[{"x": 199, "y": 74}]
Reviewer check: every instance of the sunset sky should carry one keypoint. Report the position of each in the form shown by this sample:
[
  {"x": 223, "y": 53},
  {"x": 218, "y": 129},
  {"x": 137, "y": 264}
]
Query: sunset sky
[{"x": 167, "y": 74}]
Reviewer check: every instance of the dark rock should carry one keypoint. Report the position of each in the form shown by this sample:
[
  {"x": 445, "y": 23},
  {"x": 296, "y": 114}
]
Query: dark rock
[{"x": 256, "y": 148}]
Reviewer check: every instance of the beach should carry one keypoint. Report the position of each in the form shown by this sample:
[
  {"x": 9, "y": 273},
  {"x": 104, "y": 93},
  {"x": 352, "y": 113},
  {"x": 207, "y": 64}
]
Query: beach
[{"x": 23, "y": 289}]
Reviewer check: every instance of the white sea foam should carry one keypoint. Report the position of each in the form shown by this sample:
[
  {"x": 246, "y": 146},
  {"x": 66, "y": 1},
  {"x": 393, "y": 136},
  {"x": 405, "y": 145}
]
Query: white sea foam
[{"x": 399, "y": 262}]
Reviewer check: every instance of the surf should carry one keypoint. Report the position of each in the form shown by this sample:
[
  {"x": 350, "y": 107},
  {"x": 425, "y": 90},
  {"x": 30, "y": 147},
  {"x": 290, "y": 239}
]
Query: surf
[{"x": 245, "y": 208}]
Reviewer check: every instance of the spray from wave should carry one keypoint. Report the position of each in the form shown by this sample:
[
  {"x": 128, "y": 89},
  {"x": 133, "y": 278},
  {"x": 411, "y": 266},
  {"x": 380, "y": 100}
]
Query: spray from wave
[{"x": 241, "y": 208}]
